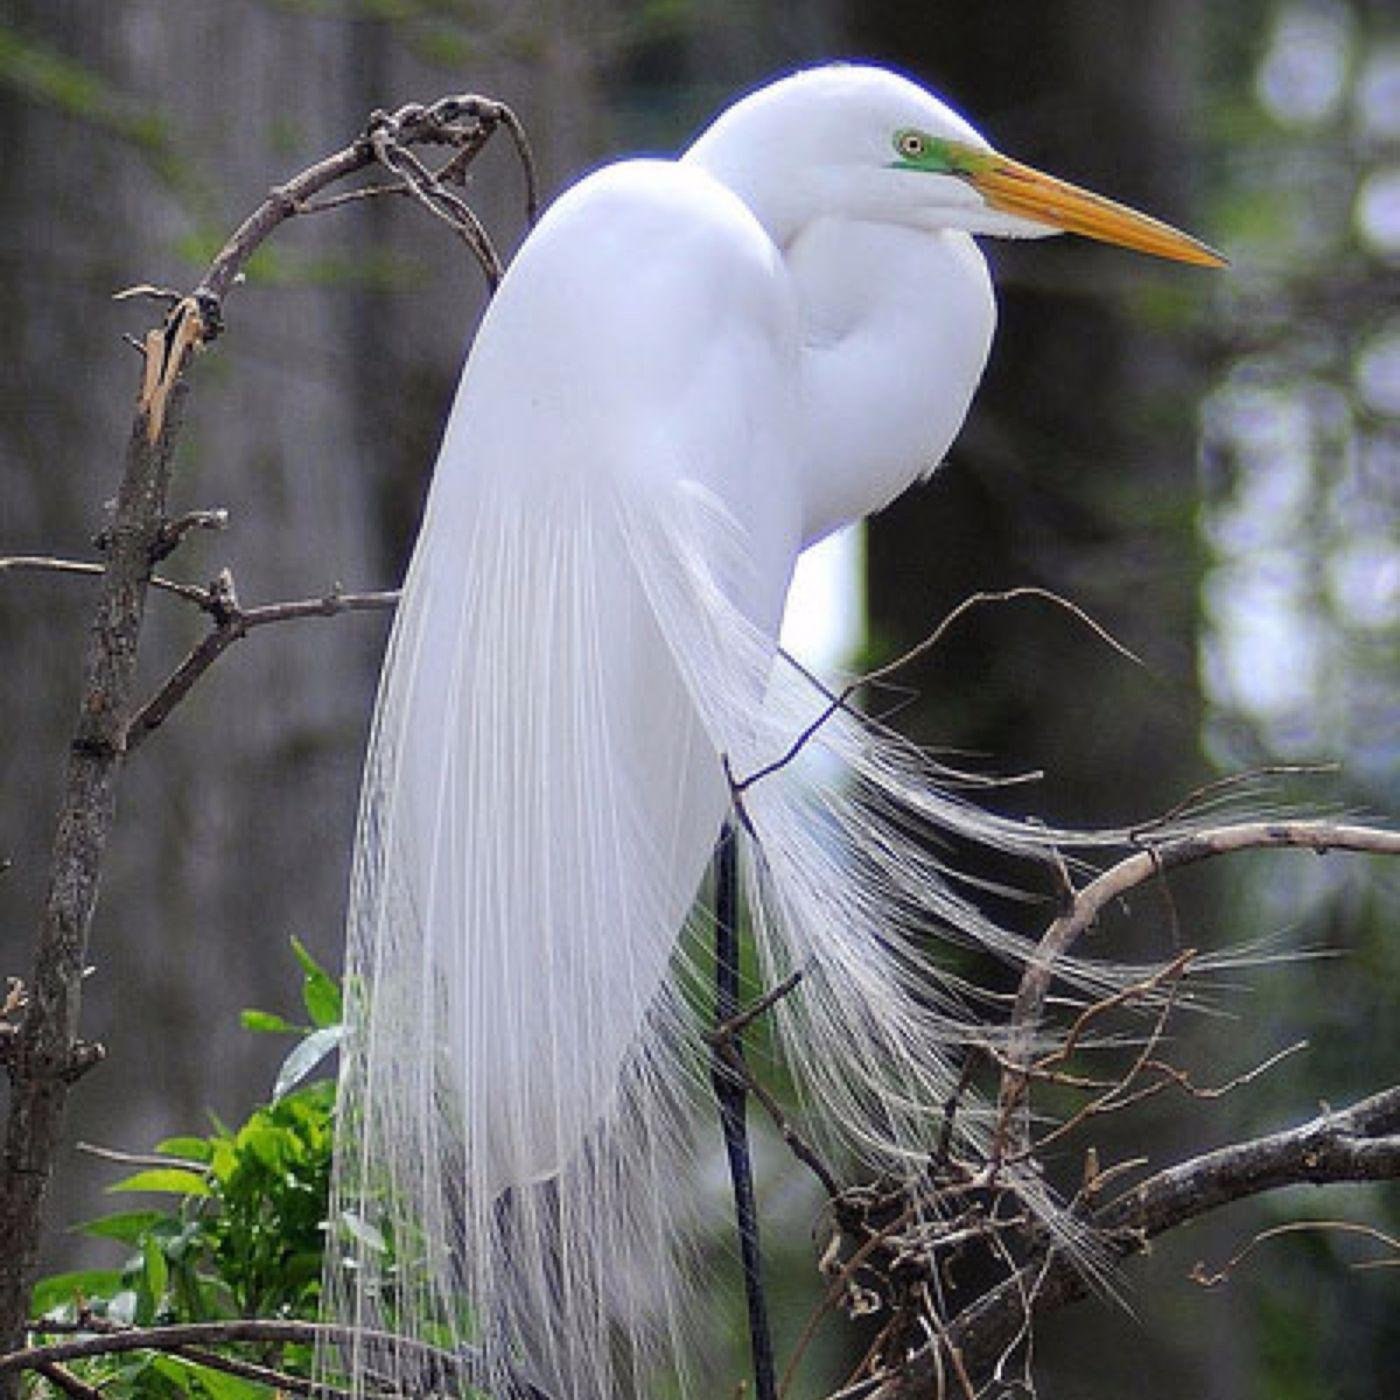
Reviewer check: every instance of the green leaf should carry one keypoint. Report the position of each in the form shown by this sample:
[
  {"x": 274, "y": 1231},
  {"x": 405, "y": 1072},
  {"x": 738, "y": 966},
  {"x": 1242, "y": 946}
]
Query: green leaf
[
  {"x": 224, "y": 1161},
  {"x": 171, "y": 1181},
  {"x": 320, "y": 991},
  {"x": 152, "y": 1282},
  {"x": 157, "y": 1270},
  {"x": 87, "y": 1285},
  {"x": 191, "y": 1379},
  {"x": 194, "y": 1149},
  {"x": 268, "y": 1023},
  {"x": 304, "y": 1058},
  {"x": 127, "y": 1226},
  {"x": 218, "y": 1386},
  {"x": 262, "y": 1143}
]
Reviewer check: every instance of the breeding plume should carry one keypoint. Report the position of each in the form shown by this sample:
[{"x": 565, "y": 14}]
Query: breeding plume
[{"x": 693, "y": 370}]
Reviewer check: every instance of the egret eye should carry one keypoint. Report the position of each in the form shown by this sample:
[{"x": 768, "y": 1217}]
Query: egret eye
[{"x": 910, "y": 144}]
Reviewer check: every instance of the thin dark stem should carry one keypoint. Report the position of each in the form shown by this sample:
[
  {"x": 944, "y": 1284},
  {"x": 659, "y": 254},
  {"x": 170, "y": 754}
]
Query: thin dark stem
[
  {"x": 233, "y": 623},
  {"x": 443, "y": 1371},
  {"x": 731, "y": 1095}
]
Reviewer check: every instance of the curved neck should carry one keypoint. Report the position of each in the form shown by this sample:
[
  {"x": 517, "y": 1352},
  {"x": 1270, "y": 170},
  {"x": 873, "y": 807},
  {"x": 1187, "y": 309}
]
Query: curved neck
[
  {"x": 897, "y": 324},
  {"x": 783, "y": 207}
]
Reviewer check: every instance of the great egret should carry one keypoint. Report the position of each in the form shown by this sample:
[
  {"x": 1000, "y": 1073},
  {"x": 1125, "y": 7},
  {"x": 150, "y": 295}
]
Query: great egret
[{"x": 692, "y": 370}]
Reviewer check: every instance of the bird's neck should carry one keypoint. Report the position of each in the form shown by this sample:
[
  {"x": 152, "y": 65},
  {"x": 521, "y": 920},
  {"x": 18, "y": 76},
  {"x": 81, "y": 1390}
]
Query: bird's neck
[
  {"x": 897, "y": 323},
  {"x": 783, "y": 207}
]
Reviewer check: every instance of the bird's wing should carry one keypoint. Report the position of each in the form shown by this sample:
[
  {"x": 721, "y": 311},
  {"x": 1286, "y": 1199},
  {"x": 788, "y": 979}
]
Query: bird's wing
[{"x": 543, "y": 792}]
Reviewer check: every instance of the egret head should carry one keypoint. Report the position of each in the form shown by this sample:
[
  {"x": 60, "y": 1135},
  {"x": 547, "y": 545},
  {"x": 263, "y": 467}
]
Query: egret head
[{"x": 865, "y": 143}]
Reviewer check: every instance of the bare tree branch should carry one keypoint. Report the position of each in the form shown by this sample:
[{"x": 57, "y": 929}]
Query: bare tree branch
[
  {"x": 191, "y": 1341},
  {"x": 1085, "y": 906},
  {"x": 232, "y": 623},
  {"x": 41, "y": 563},
  {"x": 63, "y": 1379},
  {"x": 841, "y": 700},
  {"x": 44, "y": 1054},
  {"x": 41, "y": 1058},
  {"x": 1358, "y": 1144}
]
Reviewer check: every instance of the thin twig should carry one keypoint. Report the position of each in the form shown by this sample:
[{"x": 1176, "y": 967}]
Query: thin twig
[
  {"x": 67, "y": 1382},
  {"x": 168, "y": 295},
  {"x": 173, "y": 532},
  {"x": 1183, "y": 1080},
  {"x": 44, "y": 1057},
  {"x": 282, "y": 1382},
  {"x": 143, "y": 1159},
  {"x": 1136, "y": 870},
  {"x": 724, "y": 1039},
  {"x": 327, "y": 203},
  {"x": 1198, "y": 797},
  {"x": 1117, "y": 1095},
  {"x": 235, "y": 622},
  {"x": 88, "y": 1323},
  {"x": 744, "y": 1018},
  {"x": 423, "y": 185},
  {"x": 842, "y": 698},
  {"x": 796, "y": 1143},
  {"x": 1214, "y": 1278},
  {"x": 836, "y": 1290},
  {"x": 171, "y": 1337},
  {"x": 45, "y": 564},
  {"x": 1358, "y": 1144}
]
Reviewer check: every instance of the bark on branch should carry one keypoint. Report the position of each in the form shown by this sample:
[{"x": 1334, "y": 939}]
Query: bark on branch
[
  {"x": 1083, "y": 908},
  {"x": 1358, "y": 1144},
  {"x": 43, "y": 1054},
  {"x": 233, "y": 622},
  {"x": 191, "y": 1340}
]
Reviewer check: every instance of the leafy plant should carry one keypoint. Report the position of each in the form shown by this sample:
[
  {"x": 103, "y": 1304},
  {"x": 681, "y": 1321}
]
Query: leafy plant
[{"x": 240, "y": 1231}]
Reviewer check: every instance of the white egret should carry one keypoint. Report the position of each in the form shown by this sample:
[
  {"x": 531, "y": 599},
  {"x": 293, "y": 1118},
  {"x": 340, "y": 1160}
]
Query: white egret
[{"x": 692, "y": 370}]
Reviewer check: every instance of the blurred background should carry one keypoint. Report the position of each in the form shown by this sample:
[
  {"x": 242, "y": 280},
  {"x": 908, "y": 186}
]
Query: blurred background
[{"x": 1209, "y": 464}]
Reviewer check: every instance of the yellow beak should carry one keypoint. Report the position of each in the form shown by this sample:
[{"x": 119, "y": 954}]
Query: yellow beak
[{"x": 1017, "y": 189}]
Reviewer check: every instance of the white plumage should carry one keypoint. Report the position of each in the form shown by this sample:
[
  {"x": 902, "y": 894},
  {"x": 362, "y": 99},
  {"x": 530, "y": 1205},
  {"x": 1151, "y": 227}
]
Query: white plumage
[{"x": 692, "y": 370}]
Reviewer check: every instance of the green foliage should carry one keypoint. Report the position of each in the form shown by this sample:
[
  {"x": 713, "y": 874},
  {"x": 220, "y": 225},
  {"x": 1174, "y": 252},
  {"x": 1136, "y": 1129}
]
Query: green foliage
[{"x": 239, "y": 1229}]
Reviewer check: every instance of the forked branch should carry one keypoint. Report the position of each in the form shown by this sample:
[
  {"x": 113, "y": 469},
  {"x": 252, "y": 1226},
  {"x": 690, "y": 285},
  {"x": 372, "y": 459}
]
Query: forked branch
[
  {"x": 1358, "y": 1144},
  {"x": 43, "y": 1053},
  {"x": 1084, "y": 907}
]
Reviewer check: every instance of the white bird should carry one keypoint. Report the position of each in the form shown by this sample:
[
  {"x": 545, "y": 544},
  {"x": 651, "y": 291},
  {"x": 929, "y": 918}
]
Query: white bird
[{"x": 692, "y": 370}]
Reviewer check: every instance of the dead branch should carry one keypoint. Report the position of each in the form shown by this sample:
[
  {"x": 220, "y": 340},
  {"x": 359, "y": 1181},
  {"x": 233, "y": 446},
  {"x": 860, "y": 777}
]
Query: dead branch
[
  {"x": 172, "y": 532},
  {"x": 1120, "y": 1094},
  {"x": 44, "y": 1054},
  {"x": 143, "y": 1159},
  {"x": 1213, "y": 1278},
  {"x": 841, "y": 700},
  {"x": 43, "y": 1051},
  {"x": 45, "y": 564},
  {"x": 747, "y": 1015},
  {"x": 1160, "y": 856},
  {"x": 233, "y": 622},
  {"x": 1358, "y": 1144},
  {"x": 449, "y": 121},
  {"x": 191, "y": 1342},
  {"x": 61, "y": 1378}
]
